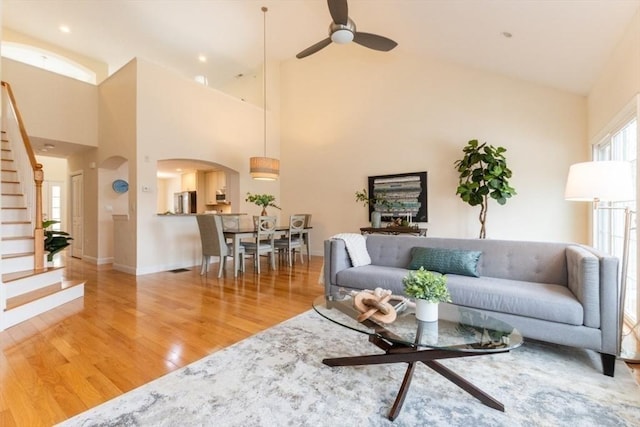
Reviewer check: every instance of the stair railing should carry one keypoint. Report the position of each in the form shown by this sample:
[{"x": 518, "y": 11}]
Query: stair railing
[{"x": 26, "y": 164}]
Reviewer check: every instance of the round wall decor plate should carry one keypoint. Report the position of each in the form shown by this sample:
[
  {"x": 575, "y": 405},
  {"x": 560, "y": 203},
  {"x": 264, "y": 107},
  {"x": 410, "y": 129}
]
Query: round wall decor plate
[{"x": 120, "y": 186}]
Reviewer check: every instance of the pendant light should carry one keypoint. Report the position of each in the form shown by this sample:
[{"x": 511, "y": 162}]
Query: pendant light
[{"x": 264, "y": 168}]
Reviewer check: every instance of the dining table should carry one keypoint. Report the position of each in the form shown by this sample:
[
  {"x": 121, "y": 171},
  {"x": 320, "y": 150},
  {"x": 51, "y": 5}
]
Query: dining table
[{"x": 238, "y": 232}]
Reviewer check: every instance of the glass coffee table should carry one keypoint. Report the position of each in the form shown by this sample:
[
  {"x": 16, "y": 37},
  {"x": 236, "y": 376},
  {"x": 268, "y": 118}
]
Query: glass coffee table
[{"x": 459, "y": 332}]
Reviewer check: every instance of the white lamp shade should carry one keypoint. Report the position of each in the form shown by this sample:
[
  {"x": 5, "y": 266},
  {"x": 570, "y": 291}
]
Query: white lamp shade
[{"x": 600, "y": 181}]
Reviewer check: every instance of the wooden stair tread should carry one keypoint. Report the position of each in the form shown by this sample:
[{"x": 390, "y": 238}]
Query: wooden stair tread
[
  {"x": 17, "y": 238},
  {"x": 17, "y": 255},
  {"x": 11, "y": 194},
  {"x": 41, "y": 293},
  {"x": 10, "y": 182},
  {"x": 15, "y": 222},
  {"x": 8, "y": 170},
  {"x": 17, "y": 275},
  {"x": 13, "y": 207}
]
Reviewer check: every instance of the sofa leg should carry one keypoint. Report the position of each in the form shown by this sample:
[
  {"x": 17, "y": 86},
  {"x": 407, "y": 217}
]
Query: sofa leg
[{"x": 608, "y": 363}]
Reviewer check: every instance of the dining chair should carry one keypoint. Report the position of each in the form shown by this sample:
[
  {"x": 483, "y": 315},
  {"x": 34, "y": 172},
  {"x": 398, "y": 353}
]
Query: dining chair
[
  {"x": 264, "y": 241},
  {"x": 214, "y": 243},
  {"x": 294, "y": 239},
  {"x": 306, "y": 236}
]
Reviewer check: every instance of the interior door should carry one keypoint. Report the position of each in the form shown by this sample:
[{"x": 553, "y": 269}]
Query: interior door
[{"x": 77, "y": 215}]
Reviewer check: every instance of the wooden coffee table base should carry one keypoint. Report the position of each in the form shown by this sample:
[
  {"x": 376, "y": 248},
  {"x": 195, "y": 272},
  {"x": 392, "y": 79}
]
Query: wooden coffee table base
[{"x": 397, "y": 353}]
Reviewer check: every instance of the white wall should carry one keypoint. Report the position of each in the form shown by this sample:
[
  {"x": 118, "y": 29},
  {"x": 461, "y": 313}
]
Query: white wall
[
  {"x": 349, "y": 113},
  {"x": 54, "y": 106},
  {"x": 618, "y": 82},
  {"x": 180, "y": 119}
]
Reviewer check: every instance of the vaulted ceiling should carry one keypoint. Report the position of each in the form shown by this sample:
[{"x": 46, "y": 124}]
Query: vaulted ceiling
[{"x": 560, "y": 43}]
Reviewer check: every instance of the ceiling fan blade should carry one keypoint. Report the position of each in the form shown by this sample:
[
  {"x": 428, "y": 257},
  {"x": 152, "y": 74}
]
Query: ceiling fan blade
[
  {"x": 374, "y": 41},
  {"x": 313, "y": 49},
  {"x": 339, "y": 11}
]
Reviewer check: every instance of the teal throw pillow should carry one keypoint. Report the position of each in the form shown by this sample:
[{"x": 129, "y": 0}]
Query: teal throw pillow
[{"x": 445, "y": 261}]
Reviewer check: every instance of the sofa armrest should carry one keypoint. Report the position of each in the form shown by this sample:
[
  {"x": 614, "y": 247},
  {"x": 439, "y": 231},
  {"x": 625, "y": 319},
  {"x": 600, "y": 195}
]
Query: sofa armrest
[
  {"x": 583, "y": 269},
  {"x": 609, "y": 300},
  {"x": 336, "y": 259}
]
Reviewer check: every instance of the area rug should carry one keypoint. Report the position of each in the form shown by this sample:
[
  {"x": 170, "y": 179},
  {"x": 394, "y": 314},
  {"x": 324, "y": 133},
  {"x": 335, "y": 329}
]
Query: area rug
[{"x": 276, "y": 378}]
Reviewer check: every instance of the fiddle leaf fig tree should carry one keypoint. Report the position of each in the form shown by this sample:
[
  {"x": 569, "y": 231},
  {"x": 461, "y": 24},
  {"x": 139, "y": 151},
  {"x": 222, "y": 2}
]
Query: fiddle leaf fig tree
[{"x": 483, "y": 174}]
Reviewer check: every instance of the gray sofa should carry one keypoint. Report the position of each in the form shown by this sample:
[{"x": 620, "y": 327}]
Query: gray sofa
[{"x": 561, "y": 293}]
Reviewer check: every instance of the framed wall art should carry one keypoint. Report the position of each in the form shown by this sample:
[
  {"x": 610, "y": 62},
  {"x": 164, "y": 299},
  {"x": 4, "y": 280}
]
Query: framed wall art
[{"x": 400, "y": 195}]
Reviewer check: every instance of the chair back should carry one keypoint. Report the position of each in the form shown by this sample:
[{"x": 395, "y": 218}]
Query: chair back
[
  {"x": 230, "y": 222},
  {"x": 307, "y": 220},
  {"x": 211, "y": 235},
  {"x": 297, "y": 224},
  {"x": 265, "y": 227}
]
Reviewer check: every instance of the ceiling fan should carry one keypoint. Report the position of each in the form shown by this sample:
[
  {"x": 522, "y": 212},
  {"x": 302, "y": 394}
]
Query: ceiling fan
[{"x": 343, "y": 30}]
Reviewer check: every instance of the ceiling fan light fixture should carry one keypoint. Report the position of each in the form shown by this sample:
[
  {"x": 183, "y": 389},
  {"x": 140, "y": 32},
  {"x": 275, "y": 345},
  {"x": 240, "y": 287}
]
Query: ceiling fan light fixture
[{"x": 342, "y": 36}]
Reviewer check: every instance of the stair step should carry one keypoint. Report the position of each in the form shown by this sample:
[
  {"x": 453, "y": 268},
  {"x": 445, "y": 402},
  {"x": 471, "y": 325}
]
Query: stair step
[
  {"x": 29, "y": 305},
  {"x": 12, "y": 200},
  {"x": 11, "y": 213},
  {"x": 41, "y": 293},
  {"x": 18, "y": 275},
  {"x": 29, "y": 281},
  {"x": 18, "y": 255},
  {"x": 17, "y": 244},
  {"x": 16, "y": 228},
  {"x": 17, "y": 262}
]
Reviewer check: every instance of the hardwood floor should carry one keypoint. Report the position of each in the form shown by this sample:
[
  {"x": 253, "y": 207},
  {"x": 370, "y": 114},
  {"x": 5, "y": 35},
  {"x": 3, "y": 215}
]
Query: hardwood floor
[{"x": 130, "y": 330}]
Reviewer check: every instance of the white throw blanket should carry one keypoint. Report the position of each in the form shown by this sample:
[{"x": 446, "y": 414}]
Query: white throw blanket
[{"x": 356, "y": 248}]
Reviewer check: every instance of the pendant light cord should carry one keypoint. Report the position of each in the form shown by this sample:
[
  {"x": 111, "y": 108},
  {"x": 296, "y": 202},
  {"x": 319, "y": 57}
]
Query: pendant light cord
[{"x": 264, "y": 74}]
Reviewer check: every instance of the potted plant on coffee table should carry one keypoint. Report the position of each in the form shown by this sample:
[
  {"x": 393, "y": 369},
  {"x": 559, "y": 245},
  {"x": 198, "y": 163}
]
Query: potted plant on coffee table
[{"x": 428, "y": 289}]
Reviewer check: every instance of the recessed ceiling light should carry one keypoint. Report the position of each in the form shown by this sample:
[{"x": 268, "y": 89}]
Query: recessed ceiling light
[
  {"x": 178, "y": 170},
  {"x": 64, "y": 29},
  {"x": 507, "y": 34},
  {"x": 202, "y": 58},
  {"x": 49, "y": 146}
]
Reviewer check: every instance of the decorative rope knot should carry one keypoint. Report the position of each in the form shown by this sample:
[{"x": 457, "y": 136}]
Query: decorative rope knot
[{"x": 375, "y": 304}]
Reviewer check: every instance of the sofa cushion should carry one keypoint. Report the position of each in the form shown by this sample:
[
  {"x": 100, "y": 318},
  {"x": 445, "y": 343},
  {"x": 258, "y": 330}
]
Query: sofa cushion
[
  {"x": 371, "y": 277},
  {"x": 445, "y": 261},
  {"x": 546, "y": 301}
]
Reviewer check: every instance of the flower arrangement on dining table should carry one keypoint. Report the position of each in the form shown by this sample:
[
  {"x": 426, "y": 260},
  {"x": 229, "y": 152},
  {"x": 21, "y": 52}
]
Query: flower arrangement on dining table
[{"x": 263, "y": 200}]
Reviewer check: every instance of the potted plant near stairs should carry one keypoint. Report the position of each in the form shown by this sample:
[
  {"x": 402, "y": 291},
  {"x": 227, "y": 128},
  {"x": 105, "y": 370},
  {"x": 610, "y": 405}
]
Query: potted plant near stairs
[
  {"x": 428, "y": 289},
  {"x": 54, "y": 240}
]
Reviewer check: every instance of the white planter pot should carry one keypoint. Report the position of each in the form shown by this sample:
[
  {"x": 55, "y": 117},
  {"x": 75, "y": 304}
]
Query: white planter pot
[{"x": 426, "y": 311}]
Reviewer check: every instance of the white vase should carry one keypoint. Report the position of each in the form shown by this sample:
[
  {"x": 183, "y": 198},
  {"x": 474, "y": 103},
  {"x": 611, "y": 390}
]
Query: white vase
[
  {"x": 376, "y": 219},
  {"x": 426, "y": 311}
]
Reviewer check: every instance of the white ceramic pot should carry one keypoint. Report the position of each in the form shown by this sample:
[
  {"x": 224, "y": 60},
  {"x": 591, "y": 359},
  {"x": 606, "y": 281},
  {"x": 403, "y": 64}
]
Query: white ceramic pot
[{"x": 426, "y": 311}]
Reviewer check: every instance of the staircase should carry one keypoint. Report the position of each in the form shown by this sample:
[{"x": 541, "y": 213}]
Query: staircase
[{"x": 27, "y": 289}]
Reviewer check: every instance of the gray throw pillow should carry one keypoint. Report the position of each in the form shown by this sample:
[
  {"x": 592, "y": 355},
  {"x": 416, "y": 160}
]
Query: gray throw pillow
[{"x": 445, "y": 261}]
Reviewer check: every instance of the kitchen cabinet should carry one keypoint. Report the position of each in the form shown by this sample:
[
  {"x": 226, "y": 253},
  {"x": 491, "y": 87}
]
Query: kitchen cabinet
[
  {"x": 214, "y": 181},
  {"x": 211, "y": 186},
  {"x": 188, "y": 182}
]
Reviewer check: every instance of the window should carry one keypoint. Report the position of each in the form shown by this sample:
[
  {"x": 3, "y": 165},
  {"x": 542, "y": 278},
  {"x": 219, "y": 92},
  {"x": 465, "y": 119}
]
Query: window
[
  {"x": 47, "y": 61},
  {"x": 620, "y": 144}
]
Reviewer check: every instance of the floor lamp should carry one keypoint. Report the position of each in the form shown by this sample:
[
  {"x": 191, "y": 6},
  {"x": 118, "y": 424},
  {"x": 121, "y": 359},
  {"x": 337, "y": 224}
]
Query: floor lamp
[{"x": 608, "y": 181}]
